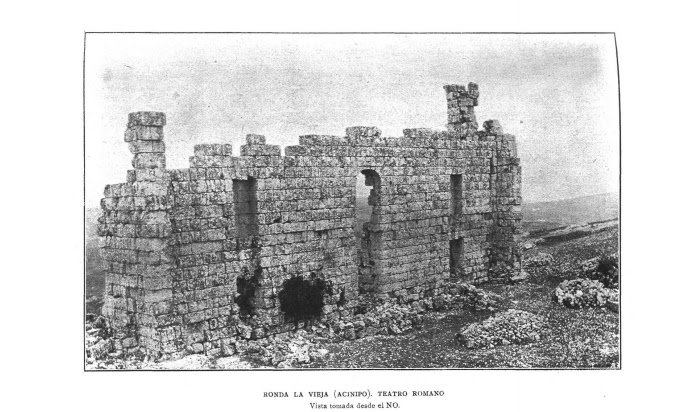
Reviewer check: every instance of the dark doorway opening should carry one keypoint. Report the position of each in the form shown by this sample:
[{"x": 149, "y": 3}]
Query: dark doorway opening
[{"x": 456, "y": 257}]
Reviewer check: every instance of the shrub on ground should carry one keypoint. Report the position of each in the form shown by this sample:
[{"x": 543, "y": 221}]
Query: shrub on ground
[{"x": 604, "y": 269}]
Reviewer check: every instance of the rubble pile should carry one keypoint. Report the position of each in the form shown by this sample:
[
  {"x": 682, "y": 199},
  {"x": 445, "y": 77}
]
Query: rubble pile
[
  {"x": 383, "y": 316},
  {"x": 505, "y": 328},
  {"x": 583, "y": 293},
  {"x": 474, "y": 298},
  {"x": 386, "y": 316},
  {"x": 538, "y": 260},
  {"x": 539, "y": 265}
]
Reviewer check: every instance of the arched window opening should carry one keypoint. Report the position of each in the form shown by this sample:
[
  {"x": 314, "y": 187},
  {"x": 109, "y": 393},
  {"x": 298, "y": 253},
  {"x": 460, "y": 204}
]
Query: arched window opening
[{"x": 367, "y": 198}]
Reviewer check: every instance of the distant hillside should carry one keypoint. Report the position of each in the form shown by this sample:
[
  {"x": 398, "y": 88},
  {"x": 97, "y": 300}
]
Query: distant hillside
[
  {"x": 585, "y": 209},
  {"x": 92, "y": 213},
  {"x": 95, "y": 279}
]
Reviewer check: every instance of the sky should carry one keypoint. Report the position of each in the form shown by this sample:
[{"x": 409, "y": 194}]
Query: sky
[{"x": 557, "y": 93}]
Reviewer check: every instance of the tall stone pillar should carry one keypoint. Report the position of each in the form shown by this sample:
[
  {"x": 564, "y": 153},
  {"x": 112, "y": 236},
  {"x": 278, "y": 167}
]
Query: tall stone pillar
[
  {"x": 136, "y": 244},
  {"x": 461, "y": 102}
]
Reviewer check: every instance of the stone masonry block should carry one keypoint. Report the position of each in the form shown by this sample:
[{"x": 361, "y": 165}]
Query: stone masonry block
[
  {"x": 146, "y": 119},
  {"x": 455, "y": 88},
  {"x": 463, "y": 129},
  {"x": 146, "y": 146},
  {"x": 419, "y": 132},
  {"x": 143, "y": 133},
  {"x": 256, "y": 139},
  {"x": 142, "y": 175},
  {"x": 213, "y": 150},
  {"x": 149, "y": 161},
  {"x": 260, "y": 150},
  {"x": 473, "y": 90},
  {"x": 493, "y": 127},
  {"x": 363, "y": 131},
  {"x": 296, "y": 151},
  {"x": 318, "y": 140},
  {"x": 457, "y": 91}
]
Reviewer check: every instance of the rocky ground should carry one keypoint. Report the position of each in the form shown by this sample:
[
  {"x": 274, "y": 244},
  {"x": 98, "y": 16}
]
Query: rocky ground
[
  {"x": 505, "y": 328},
  {"x": 525, "y": 325}
]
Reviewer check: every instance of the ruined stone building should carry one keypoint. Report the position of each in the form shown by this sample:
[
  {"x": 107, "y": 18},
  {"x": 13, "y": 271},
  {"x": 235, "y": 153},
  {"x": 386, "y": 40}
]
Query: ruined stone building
[{"x": 181, "y": 246}]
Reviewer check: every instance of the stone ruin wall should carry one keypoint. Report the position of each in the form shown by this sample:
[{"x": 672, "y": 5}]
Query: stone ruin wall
[{"x": 177, "y": 243}]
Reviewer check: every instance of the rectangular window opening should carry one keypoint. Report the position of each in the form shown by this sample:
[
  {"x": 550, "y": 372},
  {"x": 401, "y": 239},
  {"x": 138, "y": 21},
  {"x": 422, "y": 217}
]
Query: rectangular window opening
[
  {"x": 457, "y": 194},
  {"x": 245, "y": 207}
]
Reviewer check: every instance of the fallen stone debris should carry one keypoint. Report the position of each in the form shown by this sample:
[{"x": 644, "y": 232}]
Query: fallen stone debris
[
  {"x": 539, "y": 265},
  {"x": 475, "y": 298},
  {"x": 384, "y": 316},
  {"x": 584, "y": 293},
  {"x": 538, "y": 260},
  {"x": 505, "y": 328}
]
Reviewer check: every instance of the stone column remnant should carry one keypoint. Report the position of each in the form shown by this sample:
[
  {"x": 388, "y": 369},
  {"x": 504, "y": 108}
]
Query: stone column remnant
[
  {"x": 135, "y": 230},
  {"x": 461, "y": 104},
  {"x": 145, "y": 137}
]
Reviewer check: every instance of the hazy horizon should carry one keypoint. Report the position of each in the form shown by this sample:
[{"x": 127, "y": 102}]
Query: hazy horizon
[{"x": 556, "y": 93}]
